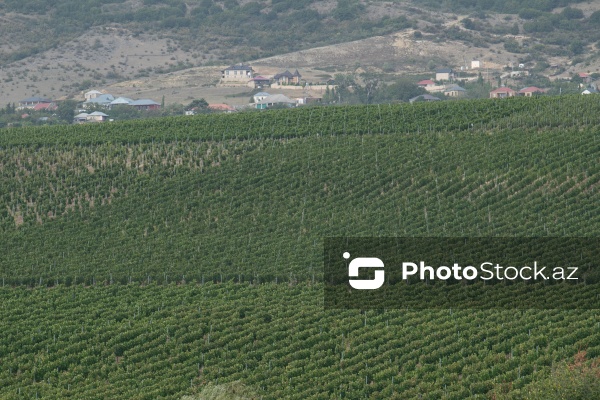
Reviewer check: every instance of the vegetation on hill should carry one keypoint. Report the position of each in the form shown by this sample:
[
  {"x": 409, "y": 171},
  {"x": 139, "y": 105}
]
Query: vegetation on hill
[
  {"x": 168, "y": 257},
  {"x": 237, "y": 30}
]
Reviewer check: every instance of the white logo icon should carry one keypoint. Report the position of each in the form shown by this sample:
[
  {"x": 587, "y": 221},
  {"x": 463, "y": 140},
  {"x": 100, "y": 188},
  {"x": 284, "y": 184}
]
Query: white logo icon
[{"x": 365, "y": 262}]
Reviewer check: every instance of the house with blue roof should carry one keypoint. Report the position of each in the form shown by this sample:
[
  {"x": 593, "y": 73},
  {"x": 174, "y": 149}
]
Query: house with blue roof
[
  {"x": 455, "y": 91},
  {"x": 102, "y": 100},
  {"x": 260, "y": 96}
]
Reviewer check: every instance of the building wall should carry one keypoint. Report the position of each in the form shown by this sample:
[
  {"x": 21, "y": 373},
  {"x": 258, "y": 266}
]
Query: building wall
[{"x": 236, "y": 76}]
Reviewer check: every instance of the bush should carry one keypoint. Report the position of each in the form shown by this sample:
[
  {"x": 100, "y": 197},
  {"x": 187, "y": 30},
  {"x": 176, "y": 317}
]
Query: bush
[
  {"x": 577, "y": 381},
  {"x": 572, "y": 13}
]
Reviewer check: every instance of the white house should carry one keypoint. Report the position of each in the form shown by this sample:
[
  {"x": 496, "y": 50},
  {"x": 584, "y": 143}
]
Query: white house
[
  {"x": 444, "y": 74},
  {"x": 260, "y": 96},
  {"x": 92, "y": 94},
  {"x": 237, "y": 73},
  {"x": 275, "y": 99},
  {"x": 103, "y": 100},
  {"x": 97, "y": 116}
]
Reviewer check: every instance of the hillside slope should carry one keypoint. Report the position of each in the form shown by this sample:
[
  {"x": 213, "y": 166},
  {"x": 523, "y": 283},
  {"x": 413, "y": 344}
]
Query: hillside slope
[
  {"x": 61, "y": 49},
  {"x": 149, "y": 258}
]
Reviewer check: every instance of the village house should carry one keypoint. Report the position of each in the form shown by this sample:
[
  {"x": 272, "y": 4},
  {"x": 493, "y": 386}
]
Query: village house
[
  {"x": 303, "y": 101},
  {"x": 275, "y": 100},
  {"x": 287, "y": 78},
  {"x": 530, "y": 91},
  {"x": 424, "y": 97},
  {"x": 145, "y": 104},
  {"x": 502, "y": 92},
  {"x": 476, "y": 64},
  {"x": 96, "y": 116},
  {"x": 590, "y": 90},
  {"x": 455, "y": 91},
  {"x": 121, "y": 101},
  {"x": 92, "y": 94},
  {"x": 260, "y": 96},
  {"x": 45, "y": 107},
  {"x": 237, "y": 74},
  {"x": 31, "y": 102},
  {"x": 587, "y": 78},
  {"x": 102, "y": 100},
  {"x": 425, "y": 83},
  {"x": 444, "y": 74},
  {"x": 221, "y": 108},
  {"x": 80, "y": 118},
  {"x": 259, "y": 82}
]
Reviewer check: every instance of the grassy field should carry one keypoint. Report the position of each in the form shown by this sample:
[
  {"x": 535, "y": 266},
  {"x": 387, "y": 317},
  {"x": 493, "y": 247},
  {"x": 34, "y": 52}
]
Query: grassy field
[{"x": 162, "y": 258}]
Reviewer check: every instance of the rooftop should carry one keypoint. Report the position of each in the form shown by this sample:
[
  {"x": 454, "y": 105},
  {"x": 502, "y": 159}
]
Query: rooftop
[
  {"x": 36, "y": 100},
  {"x": 455, "y": 89},
  {"x": 502, "y": 89},
  {"x": 276, "y": 98},
  {"x": 144, "y": 102},
  {"x": 239, "y": 67},
  {"x": 121, "y": 100},
  {"x": 531, "y": 89}
]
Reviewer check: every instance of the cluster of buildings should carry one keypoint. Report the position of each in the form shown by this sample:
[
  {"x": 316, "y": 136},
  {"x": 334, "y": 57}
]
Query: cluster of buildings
[
  {"x": 94, "y": 99},
  {"x": 37, "y": 104},
  {"x": 244, "y": 74},
  {"x": 445, "y": 76}
]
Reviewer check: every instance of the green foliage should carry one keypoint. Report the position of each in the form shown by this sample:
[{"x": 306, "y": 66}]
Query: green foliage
[
  {"x": 238, "y": 29},
  {"x": 579, "y": 380},
  {"x": 184, "y": 254},
  {"x": 198, "y": 103},
  {"x": 66, "y": 110},
  {"x": 228, "y": 391},
  {"x": 572, "y": 13}
]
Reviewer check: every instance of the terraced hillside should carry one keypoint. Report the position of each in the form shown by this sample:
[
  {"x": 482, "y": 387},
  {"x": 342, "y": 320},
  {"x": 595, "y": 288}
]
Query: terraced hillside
[{"x": 151, "y": 258}]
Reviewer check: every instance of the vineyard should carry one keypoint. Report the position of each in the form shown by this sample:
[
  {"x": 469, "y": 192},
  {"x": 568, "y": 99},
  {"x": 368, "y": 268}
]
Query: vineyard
[{"x": 149, "y": 259}]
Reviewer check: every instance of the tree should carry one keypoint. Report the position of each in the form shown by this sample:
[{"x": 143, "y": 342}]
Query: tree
[
  {"x": 402, "y": 90},
  {"x": 199, "y": 104},
  {"x": 367, "y": 92},
  {"x": 515, "y": 29},
  {"x": 572, "y": 13},
  {"x": 595, "y": 18},
  {"x": 66, "y": 110},
  {"x": 345, "y": 91}
]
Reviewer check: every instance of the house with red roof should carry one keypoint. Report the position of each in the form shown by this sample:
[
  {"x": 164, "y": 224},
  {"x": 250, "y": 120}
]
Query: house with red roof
[
  {"x": 221, "y": 107},
  {"x": 530, "y": 91},
  {"x": 426, "y": 83},
  {"x": 45, "y": 107},
  {"x": 502, "y": 92},
  {"x": 31, "y": 102},
  {"x": 259, "y": 82},
  {"x": 587, "y": 78}
]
